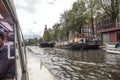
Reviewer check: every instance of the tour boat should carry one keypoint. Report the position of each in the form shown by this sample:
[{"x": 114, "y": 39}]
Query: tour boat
[{"x": 25, "y": 65}]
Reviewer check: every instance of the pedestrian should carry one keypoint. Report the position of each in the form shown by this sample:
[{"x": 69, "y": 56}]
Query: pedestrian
[{"x": 7, "y": 65}]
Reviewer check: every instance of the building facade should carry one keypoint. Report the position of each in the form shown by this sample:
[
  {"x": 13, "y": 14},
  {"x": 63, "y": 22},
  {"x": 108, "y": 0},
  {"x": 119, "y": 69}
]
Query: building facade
[{"x": 107, "y": 31}]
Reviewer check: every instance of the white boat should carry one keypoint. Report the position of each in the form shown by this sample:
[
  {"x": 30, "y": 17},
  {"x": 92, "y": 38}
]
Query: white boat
[{"x": 110, "y": 47}]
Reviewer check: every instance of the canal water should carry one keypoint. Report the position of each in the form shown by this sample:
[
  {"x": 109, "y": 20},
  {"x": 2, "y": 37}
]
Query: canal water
[{"x": 81, "y": 64}]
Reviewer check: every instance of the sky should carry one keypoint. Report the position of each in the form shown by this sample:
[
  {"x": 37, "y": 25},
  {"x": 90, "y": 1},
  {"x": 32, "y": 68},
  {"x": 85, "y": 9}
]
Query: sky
[{"x": 33, "y": 15}]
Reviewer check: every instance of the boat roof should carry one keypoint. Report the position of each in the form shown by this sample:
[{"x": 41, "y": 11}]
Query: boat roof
[{"x": 7, "y": 15}]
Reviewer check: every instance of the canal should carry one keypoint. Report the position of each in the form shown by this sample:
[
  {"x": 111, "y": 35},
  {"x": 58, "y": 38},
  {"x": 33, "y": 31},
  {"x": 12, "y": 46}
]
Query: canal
[{"x": 81, "y": 64}]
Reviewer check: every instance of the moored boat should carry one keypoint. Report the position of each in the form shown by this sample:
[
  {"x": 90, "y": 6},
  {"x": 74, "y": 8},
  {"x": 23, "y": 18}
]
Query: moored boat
[
  {"x": 110, "y": 45},
  {"x": 83, "y": 43},
  {"x": 111, "y": 48},
  {"x": 47, "y": 44}
]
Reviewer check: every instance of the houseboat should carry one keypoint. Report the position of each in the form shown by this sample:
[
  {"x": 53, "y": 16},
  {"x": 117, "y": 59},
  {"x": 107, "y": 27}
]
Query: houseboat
[{"x": 78, "y": 43}]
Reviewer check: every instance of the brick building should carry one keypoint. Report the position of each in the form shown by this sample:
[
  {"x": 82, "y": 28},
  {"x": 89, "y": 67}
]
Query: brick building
[{"x": 107, "y": 30}]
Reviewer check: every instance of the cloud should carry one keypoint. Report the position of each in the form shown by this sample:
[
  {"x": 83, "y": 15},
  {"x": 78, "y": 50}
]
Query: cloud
[
  {"x": 52, "y": 2},
  {"x": 27, "y": 5},
  {"x": 34, "y": 14}
]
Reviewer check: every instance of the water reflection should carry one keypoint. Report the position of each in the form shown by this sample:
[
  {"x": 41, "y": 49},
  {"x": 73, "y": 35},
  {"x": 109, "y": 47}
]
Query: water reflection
[{"x": 82, "y": 65}]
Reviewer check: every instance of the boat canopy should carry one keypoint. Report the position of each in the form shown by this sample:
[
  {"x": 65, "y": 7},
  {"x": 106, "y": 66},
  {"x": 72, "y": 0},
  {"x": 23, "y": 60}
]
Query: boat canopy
[
  {"x": 9, "y": 24},
  {"x": 6, "y": 16}
]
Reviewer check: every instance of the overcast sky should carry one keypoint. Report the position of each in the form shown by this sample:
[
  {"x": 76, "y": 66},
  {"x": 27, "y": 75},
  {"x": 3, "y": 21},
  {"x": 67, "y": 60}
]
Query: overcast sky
[{"x": 34, "y": 14}]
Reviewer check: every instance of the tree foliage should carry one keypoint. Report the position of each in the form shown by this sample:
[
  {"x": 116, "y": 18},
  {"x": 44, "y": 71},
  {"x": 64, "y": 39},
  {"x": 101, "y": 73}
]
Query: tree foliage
[
  {"x": 56, "y": 29},
  {"x": 81, "y": 14},
  {"x": 111, "y": 8}
]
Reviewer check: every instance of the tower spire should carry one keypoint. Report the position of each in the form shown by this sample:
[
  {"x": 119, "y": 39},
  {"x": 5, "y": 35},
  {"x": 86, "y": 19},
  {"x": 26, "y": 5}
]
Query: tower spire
[{"x": 45, "y": 27}]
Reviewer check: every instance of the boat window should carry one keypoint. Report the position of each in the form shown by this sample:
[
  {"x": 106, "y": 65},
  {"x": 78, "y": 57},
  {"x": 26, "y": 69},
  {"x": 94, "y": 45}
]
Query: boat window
[
  {"x": 11, "y": 65},
  {"x": 1, "y": 17},
  {"x": 7, "y": 47},
  {"x": 7, "y": 26}
]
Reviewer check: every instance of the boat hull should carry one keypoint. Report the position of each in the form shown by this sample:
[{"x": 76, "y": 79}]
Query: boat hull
[
  {"x": 110, "y": 48},
  {"x": 79, "y": 46},
  {"x": 46, "y": 44},
  {"x": 113, "y": 50}
]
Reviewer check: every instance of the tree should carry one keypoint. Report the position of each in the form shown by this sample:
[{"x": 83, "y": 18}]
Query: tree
[
  {"x": 112, "y": 9},
  {"x": 93, "y": 10},
  {"x": 64, "y": 20},
  {"x": 30, "y": 42},
  {"x": 40, "y": 39},
  {"x": 78, "y": 16},
  {"x": 74, "y": 19},
  {"x": 56, "y": 29},
  {"x": 35, "y": 40}
]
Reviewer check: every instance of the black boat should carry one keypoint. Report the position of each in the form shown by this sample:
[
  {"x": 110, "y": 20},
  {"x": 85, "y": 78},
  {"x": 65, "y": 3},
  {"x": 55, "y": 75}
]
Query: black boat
[
  {"x": 73, "y": 46},
  {"x": 47, "y": 44},
  {"x": 85, "y": 45}
]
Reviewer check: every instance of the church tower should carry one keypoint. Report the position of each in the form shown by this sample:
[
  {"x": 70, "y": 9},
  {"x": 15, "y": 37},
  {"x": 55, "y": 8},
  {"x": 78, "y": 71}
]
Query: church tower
[
  {"x": 46, "y": 35},
  {"x": 45, "y": 28}
]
